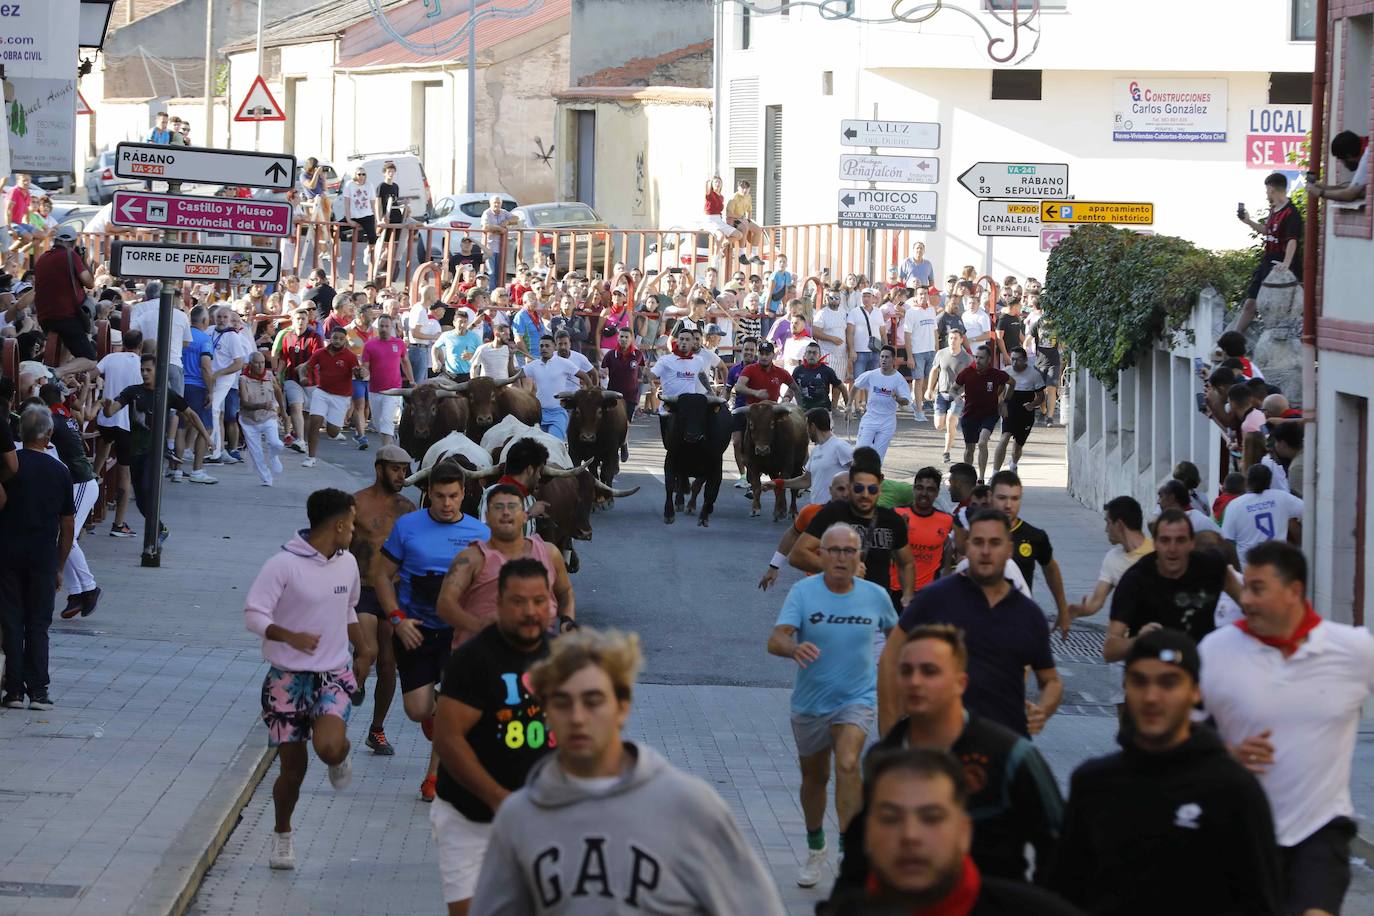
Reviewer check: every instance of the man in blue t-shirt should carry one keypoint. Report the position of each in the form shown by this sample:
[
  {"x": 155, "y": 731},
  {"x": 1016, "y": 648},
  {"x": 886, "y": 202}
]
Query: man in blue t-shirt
[
  {"x": 828, "y": 626},
  {"x": 195, "y": 368},
  {"x": 420, "y": 549}
]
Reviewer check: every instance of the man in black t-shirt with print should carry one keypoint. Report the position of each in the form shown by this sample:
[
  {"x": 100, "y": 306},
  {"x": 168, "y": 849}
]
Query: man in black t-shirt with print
[
  {"x": 1030, "y": 545},
  {"x": 1281, "y": 233},
  {"x": 882, "y": 534},
  {"x": 489, "y": 728}
]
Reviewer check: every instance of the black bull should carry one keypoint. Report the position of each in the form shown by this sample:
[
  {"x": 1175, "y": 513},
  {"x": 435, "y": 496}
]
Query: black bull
[
  {"x": 774, "y": 446},
  {"x": 696, "y": 431},
  {"x": 596, "y": 427},
  {"x": 431, "y": 411}
]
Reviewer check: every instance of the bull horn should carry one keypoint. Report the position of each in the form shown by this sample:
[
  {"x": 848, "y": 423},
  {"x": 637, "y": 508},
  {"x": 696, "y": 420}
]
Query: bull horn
[
  {"x": 501, "y": 383},
  {"x": 480, "y": 473},
  {"x": 395, "y": 392},
  {"x": 567, "y": 472},
  {"x": 418, "y": 477},
  {"x": 441, "y": 381},
  {"x": 782, "y": 408},
  {"x": 450, "y": 384},
  {"x": 613, "y": 395},
  {"x": 670, "y": 400},
  {"x": 618, "y": 494},
  {"x": 444, "y": 395},
  {"x": 712, "y": 399},
  {"x": 739, "y": 410}
]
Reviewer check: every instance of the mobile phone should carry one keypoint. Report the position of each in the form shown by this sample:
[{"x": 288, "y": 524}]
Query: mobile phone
[
  {"x": 1201, "y": 402},
  {"x": 1240, "y": 210},
  {"x": 1198, "y": 367}
]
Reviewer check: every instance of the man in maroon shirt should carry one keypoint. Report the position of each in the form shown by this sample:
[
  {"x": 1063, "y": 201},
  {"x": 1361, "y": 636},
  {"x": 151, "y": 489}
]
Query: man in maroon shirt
[
  {"x": 985, "y": 389},
  {"x": 298, "y": 343},
  {"x": 333, "y": 370},
  {"x": 763, "y": 381},
  {"x": 61, "y": 279},
  {"x": 624, "y": 366}
]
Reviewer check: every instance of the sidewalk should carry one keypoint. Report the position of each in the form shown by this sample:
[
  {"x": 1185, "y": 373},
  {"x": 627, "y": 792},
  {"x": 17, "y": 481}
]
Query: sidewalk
[{"x": 110, "y": 802}]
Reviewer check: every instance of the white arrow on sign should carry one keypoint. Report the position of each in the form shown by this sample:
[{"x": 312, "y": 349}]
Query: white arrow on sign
[
  {"x": 276, "y": 171},
  {"x": 905, "y": 169},
  {"x": 1018, "y": 180},
  {"x": 896, "y": 134},
  {"x": 880, "y": 208},
  {"x": 1019, "y": 219},
  {"x": 209, "y": 263}
]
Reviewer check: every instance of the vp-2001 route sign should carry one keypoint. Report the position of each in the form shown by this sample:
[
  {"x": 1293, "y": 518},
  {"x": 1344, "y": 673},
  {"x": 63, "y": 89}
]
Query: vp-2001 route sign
[
  {"x": 195, "y": 262},
  {"x": 204, "y": 165}
]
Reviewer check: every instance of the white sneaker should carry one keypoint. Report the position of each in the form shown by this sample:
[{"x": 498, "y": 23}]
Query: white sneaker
[
  {"x": 742, "y": 483},
  {"x": 201, "y": 477},
  {"x": 276, "y": 465},
  {"x": 811, "y": 872},
  {"x": 341, "y": 437},
  {"x": 341, "y": 773},
  {"x": 177, "y": 476},
  {"x": 1012, "y": 467},
  {"x": 308, "y": 463},
  {"x": 919, "y": 415},
  {"x": 282, "y": 855},
  {"x": 188, "y": 455}
]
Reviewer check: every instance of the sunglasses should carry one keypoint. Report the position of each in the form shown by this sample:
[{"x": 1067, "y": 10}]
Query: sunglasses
[{"x": 871, "y": 488}]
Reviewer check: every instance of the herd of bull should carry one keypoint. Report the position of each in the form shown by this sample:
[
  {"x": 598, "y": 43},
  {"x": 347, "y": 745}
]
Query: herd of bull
[{"x": 474, "y": 424}]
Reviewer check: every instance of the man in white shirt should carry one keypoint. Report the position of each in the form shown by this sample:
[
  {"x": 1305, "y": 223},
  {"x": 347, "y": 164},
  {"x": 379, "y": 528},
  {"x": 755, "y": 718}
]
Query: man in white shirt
[
  {"x": 1262, "y": 514},
  {"x": 1286, "y": 689},
  {"x": 562, "y": 342},
  {"x": 1172, "y": 494},
  {"x": 493, "y": 358},
  {"x": 495, "y": 221},
  {"x": 828, "y": 328},
  {"x": 119, "y": 370},
  {"x": 1125, "y": 532},
  {"x": 795, "y": 349},
  {"x": 918, "y": 336},
  {"x": 552, "y": 375},
  {"x": 711, "y": 363},
  {"x": 681, "y": 371},
  {"x": 229, "y": 355},
  {"x": 830, "y": 455},
  {"x": 864, "y": 335},
  {"x": 356, "y": 210},
  {"x": 879, "y": 392},
  {"x": 977, "y": 324}
]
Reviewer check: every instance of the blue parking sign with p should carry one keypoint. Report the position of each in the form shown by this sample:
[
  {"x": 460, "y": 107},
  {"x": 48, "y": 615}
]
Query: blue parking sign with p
[{"x": 1066, "y": 211}]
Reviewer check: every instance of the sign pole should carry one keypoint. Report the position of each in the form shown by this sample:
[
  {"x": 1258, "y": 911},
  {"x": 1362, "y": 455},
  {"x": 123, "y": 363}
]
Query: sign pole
[
  {"x": 257, "y": 125},
  {"x": 871, "y": 234},
  {"x": 152, "y": 525}
]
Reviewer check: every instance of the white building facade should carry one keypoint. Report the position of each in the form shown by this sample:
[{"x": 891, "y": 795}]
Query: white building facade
[{"x": 1207, "y": 126}]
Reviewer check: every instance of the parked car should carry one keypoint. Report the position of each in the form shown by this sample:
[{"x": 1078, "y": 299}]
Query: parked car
[
  {"x": 583, "y": 225},
  {"x": 101, "y": 182},
  {"x": 73, "y": 214},
  {"x": 459, "y": 211},
  {"x": 684, "y": 250}
]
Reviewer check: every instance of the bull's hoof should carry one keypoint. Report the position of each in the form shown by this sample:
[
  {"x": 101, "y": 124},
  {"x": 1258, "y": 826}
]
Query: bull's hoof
[
  {"x": 753, "y": 513},
  {"x": 691, "y": 508},
  {"x": 704, "y": 522},
  {"x": 777, "y": 517},
  {"x": 584, "y": 535},
  {"x": 574, "y": 562},
  {"x": 669, "y": 519},
  {"x": 678, "y": 502}
]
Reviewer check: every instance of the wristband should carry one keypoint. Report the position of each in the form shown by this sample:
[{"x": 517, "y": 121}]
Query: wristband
[
  {"x": 566, "y": 623},
  {"x": 396, "y": 616},
  {"x": 777, "y": 561}
]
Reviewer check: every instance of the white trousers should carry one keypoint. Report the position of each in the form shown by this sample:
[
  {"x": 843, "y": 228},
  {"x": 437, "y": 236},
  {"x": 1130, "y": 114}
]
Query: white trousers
[
  {"x": 385, "y": 408},
  {"x": 264, "y": 446},
  {"x": 223, "y": 385},
  {"x": 76, "y": 574},
  {"x": 876, "y": 434}
]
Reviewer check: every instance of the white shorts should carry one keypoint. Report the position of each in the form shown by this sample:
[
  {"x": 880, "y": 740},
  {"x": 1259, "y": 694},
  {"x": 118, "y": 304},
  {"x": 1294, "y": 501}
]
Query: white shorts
[
  {"x": 385, "y": 407},
  {"x": 333, "y": 407},
  {"x": 462, "y": 846},
  {"x": 295, "y": 394}
]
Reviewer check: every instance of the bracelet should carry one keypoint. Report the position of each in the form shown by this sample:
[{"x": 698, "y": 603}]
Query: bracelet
[
  {"x": 566, "y": 623},
  {"x": 396, "y": 616},
  {"x": 777, "y": 561}
]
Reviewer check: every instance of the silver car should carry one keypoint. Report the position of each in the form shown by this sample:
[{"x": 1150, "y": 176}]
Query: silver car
[{"x": 101, "y": 182}]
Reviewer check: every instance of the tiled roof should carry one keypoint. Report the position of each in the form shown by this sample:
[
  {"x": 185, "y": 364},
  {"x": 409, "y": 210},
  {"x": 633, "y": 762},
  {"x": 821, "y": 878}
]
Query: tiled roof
[
  {"x": 119, "y": 16},
  {"x": 325, "y": 20},
  {"x": 490, "y": 32}
]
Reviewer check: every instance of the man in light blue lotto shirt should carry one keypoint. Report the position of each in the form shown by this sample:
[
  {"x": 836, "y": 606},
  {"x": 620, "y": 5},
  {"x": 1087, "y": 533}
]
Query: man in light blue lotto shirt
[{"x": 827, "y": 626}]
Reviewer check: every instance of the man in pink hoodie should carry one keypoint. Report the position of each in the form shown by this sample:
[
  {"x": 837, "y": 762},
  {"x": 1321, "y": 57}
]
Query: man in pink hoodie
[{"x": 302, "y": 605}]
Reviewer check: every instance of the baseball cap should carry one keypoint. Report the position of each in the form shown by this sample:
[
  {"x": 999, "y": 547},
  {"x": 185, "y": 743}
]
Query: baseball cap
[
  {"x": 393, "y": 454},
  {"x": 714, "y": 329},
  {"x": 66, "y": 234},
  {"x": 871, "y": 291},
  {"x": 733, "y": 286},
  {"x": 1168, "y": 646},
  {"x": 21, "y": 287},
  {"x": 767, "y": 347}
]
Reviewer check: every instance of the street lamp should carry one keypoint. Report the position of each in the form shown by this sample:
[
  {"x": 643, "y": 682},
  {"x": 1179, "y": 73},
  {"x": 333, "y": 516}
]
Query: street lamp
[{"x": 95, "y": 19}]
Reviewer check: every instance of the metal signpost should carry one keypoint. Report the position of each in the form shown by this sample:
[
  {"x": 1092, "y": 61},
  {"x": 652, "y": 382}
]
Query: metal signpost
[
  {"x": 1098, "y": 211},
  {"x": 873, "y": 208},
  {"x": 207, "y": 214},
  {"x": 1017, "y": 180},
  {"x": 274, "y": 171}
]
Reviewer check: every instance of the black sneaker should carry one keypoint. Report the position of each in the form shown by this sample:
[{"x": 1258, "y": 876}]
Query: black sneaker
[
  {"x": 380, "y": 746},
  {"x": 40, "y": 701},
  {"x": 359, "y": 695},
  {"x": 13, "y": 701},
  {"x": 211, "y": 460},
  {"x": 89, "y": 600},
  {"x": 121, "y": 530}
]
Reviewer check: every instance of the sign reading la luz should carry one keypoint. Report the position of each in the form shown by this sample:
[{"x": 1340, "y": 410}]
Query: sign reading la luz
[
  {"x": 195, "y": 262},
  {"x": 879, "y": 208},
  {"x": 1016, "y": 218},
  {"x": 1018, "y": 180},
  {"x": 903, "y": 169},
  {"x": 894, "y": 134},
  {"x": 275, "y": 171},
  {"x": 1090, "y": 211},
  {"x": 209, "y": 214}
]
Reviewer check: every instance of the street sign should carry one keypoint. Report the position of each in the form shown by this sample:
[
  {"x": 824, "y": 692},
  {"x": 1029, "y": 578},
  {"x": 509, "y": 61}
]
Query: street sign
[
  {"x": 276, "y": 171},
  {"x": 896, "y": 134},
  {"x": 877, "y": 208},
  {"x": 208, "y": 214},
  {"x": 1015, "y": 218},
  {"x": 259, "y": 105},
  {"x": 1096, "y": 211},
  {"x": 1017, "y": 180},
  {"x": 83, "y": 107},
  {"x": 1051, "y": 236},
  {"x": 195, "y": 262},
  {"x": 904, "y": 169}
]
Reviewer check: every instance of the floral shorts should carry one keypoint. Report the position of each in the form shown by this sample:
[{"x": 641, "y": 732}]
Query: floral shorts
[{"x": 293, "y": 700}]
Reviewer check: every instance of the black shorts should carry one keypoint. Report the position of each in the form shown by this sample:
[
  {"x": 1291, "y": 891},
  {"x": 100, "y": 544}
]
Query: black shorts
[
  {"x": 1316, "y": 872},
  {"x": 1050, "y": 366},
  {"x": 1019, "y": 421},
  {"x": 1262, "y": 273},
  {"x": 423, "y": 665},
  {"x": 739, "y": 422},
  {"x": 122, "y": 442},
  {"x": 367, "y": 229},
  {"x": 973, "y": 428},
  {"x": 368, "y": 604},
  {"x": 903, "y": 364}
]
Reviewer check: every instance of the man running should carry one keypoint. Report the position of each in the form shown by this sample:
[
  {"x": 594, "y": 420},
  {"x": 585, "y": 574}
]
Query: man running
[
  {"x": 1023, "y": 405},
  {"x": 827, "y": 626},
  {"x": 489, "y": 729},
  {"x": 331, "y": 371},
  {"x": 301, "y": 604},
  {"x": 420, "y": 547},
  {"x": 942, "y": 388},
  {"x": 1125, "y": 523},
  {"x": 927, "y": 530},
  {"x": 385, "y": 358},
  {"x": 985, "y": 389},
  {"x": 378, "y": 507},
  {"x": 551, "y": 374},
  {"x": 839, "y": 490},
  {"x": 1031, "y": 545},
  {"x": 816, "y": 384},
  {"x": 878, "y": 393},
  {"x": 585, "y": 804}
]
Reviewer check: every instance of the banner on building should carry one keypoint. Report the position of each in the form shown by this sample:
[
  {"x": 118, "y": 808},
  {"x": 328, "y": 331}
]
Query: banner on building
[
  {"x": 1149, "y": 110},
  {"x": 1275, "y": 132},
  {"x": 38, "y": 38},
  {"x": 41, "y": 124}
]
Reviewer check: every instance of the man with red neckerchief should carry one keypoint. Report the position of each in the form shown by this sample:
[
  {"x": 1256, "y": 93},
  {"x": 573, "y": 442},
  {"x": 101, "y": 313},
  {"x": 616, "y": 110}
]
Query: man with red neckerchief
[
  {"x": 1286, "y": 689},
  {"x": 917, "y": 835},
  {"x": 624, "y": 367}
]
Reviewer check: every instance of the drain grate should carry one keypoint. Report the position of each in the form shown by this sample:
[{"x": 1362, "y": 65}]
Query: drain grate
[
  {"x": 39, "y": 889},
  {"x": 1083, "y": 647}
]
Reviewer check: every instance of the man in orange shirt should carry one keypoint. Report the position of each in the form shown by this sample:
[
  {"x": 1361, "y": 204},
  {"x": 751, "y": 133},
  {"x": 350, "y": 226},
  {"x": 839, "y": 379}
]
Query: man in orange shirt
[
  {"x": 927, "y": 529},
  {"x": 839, "y": 489}
]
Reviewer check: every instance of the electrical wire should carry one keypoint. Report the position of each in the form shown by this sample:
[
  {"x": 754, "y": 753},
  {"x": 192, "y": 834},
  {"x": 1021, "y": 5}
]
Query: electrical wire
[{"x": 450, "y": 44}]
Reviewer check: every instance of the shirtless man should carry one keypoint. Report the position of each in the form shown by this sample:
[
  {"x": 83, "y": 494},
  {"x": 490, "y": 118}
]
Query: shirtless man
[
  {"x": 378, "y": 507},
  {"x": 467, "y": 599}
]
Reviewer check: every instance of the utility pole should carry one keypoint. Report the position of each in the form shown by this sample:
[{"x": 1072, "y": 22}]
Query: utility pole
[
  {"x": 471, "y": 182},
  {"x": 871, "y": 235},
  {"x": 209, "y": 73},
  {"x": 718, "y": 69},
  {"x": 257, "y": 125}
]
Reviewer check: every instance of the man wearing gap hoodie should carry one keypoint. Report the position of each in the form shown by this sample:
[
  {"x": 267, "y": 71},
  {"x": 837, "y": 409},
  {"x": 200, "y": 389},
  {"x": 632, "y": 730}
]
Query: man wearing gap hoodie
[
  {"x": 302, "y": 605},
  {"x": 586, "y": 834}
]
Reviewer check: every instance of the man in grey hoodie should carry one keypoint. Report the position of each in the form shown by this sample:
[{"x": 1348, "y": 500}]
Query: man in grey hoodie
[{"x": 604, "y": 826}]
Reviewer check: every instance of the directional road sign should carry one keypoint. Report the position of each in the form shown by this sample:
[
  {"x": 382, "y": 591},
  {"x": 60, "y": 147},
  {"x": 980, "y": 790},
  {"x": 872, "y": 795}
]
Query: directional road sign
[
  {"x": 878, "y": 208},
  {"x": 1017, "y": 180},
  {"x": 905, "y": 169},
  {"x": 209, "y": 214},
  {"x": 896, "y": 134},
  {"x": 195, "y": 262},
  {"x": 1016, "y": 218},
  {"x": 1051, "y": 236},
  {"x": 202, "y": 164},
  {"x": 1096, "y": 211}
]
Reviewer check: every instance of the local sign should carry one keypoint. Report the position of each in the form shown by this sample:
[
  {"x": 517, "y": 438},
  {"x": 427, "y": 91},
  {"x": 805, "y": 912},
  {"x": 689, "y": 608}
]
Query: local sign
[
  {"x": 1018, "y": 219},
  {"x": 1275, "y": 134},
  {"x": 207, "y": 214},
  {"x": 877, "y": 208},
  {"x": 1084, "y": 211},
  {"x": 154, "y": 161},
  {"x": 895, "y": 134},
  {"x": 902, "y": 169},
  {"x": 1018, "y": 180},
  {"x": 208, "y": 263}
]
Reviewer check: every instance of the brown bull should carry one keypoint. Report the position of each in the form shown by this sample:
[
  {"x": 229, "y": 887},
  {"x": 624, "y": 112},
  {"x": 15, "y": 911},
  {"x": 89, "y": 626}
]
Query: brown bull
[
  {"x": 431, "y": 411},
  {"x": 774, "y": 447},
  {"x": 491, "y": 400},
  {"x": 596, "y": 427}
]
